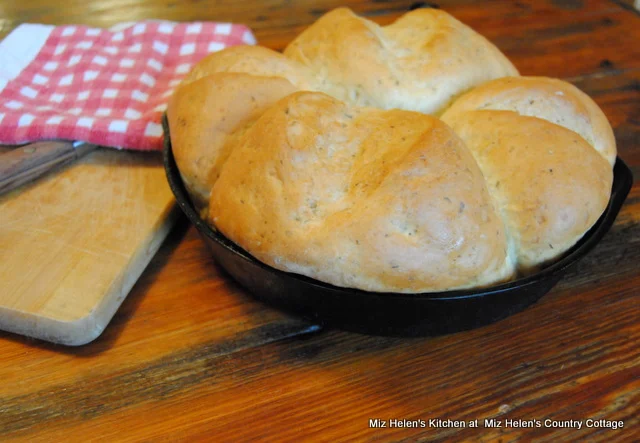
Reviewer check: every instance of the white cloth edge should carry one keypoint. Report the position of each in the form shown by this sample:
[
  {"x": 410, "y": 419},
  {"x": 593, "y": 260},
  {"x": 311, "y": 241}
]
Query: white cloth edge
[
  {"x": 20, "y": 48},
  {"x": 22, "y": 45}
]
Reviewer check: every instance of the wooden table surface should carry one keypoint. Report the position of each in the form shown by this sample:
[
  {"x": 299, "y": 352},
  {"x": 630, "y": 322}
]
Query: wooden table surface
[{"x": 191, "y": 356}]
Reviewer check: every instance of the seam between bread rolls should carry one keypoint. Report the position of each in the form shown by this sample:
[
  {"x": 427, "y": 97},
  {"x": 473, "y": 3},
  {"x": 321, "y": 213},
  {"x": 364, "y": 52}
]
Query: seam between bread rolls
[
  {"x": 283, "y": 162},
  {"x": 377, "y": 239}
]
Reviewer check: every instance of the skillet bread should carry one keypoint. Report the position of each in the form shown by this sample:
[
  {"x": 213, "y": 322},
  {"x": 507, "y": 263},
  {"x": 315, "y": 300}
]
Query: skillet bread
[{"x": 407, "y": 158}]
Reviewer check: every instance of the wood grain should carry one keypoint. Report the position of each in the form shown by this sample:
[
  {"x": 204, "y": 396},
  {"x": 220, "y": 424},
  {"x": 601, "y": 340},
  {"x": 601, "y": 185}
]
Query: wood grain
[
  {"x": 192, "y": 357},
  {"x": 561, "y": 38},
  {"x": 74, "y": 243}
]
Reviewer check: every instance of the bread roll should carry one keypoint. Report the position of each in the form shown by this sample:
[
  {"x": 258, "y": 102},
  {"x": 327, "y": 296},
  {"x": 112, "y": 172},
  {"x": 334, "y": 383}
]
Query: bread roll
[
  {"x": 315, "y": 161},
  {"x": 360, "y": 197},
  {"x": 254, "y": 60},
  {"x": 206, "y": 114},
  {"x": 547, "y": 98},
  {"x": 548, "y": 183},
  {"x": 421, "y": 62}
]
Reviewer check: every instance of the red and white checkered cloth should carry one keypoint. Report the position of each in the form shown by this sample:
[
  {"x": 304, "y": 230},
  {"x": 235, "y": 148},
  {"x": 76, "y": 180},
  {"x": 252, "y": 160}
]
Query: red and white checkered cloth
[{"x": 106, "y": 87}]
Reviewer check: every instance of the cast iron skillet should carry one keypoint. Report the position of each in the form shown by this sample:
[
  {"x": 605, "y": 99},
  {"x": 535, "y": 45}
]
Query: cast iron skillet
[{"x": 389, "y": 313}]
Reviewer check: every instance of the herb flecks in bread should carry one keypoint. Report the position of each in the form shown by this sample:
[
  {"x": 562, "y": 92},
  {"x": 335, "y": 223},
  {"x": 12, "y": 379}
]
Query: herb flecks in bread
[
  {"x": 315, "y": 161},
  {"x": 206, "y": 115},
  {"x": 421, "y": 62},
  {"x": 360, "y": 197}
]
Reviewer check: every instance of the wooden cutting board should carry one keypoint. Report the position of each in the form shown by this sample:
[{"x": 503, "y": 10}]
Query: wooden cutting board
[{"x": 73, "y": 243}]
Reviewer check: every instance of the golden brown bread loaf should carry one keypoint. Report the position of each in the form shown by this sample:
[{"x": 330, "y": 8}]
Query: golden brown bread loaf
[
  {"x": 360, "y": 197},
  {"x": 419, "y": 63},
  {"x": 206, "y": 114},
  {"x": 254, "y": 60},
  {"x": 551, "y": 184},
  {"x": 547, "y": 182},
  {"x": 297, "y": 171},
  {"x": 550, "y": 99}
]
